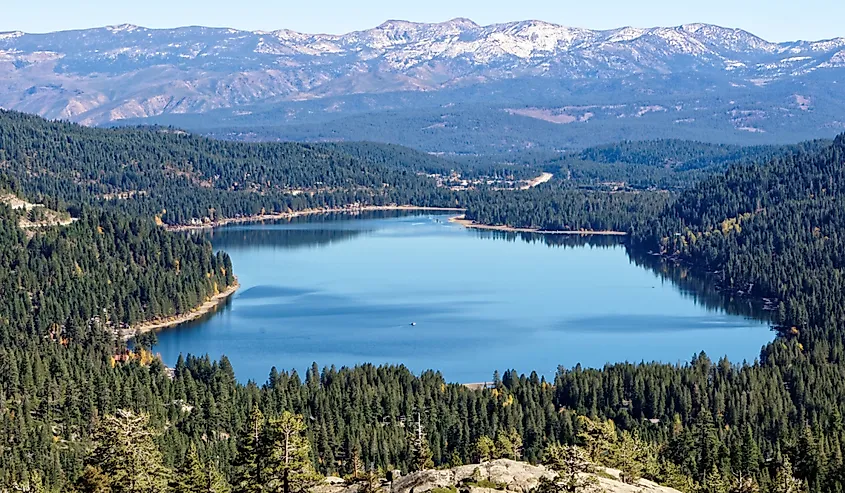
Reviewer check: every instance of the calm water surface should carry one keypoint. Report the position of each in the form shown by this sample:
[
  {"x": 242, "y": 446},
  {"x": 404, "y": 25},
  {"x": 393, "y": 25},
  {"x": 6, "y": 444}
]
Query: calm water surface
[{"x": 342, "y": 291}]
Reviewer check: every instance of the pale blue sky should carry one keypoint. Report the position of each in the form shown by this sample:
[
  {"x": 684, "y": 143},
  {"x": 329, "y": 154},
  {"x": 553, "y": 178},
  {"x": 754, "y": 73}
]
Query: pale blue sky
[{"x": 776, "y": 20}]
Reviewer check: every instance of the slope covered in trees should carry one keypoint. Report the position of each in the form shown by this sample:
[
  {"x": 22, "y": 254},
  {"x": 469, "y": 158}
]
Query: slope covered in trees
[
  {"x": 178, "y": 177},
  {"x": 470, "y": 166},
  {"x": 772, "y": 230},
  {"x": 618, "y": 186},
  {"x": 558, "y": 206},
  {"x": 104, "y": 267},
  {"x": 391, "y": 156},
  {"x": 663, "y": 164}
]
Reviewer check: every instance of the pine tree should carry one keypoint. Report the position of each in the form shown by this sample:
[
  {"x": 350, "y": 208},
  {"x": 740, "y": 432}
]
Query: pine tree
[
  {"x": 572, "y": 468},
  {"x": 215, "y": 482},
  {"x": 92, "y": 481},
  {"x": 127, "y": 456},
  {"x": 750, "y": 457},
  {"x": 289, "y": 468},
  {"x": 784, "y": 480},
  {"x": 807, "y": 458},
  {"x": 670, "y": 474},
  {"x": 515, "y": 440},
  {"x": 484, "y": 449},
  {"x": 249, "y": 461},
  {"x": 597, "y": 437},
  {"x": 455, "y": 459},
  {"x": 357, "y": 465},
  {"x": 421, "y": 456},
  {"x": 706, "y": 446},
  {"x": 713, "y": 482},
  {"x": 508, "y": 445},
  {"x": 629, "y": 455},
  {"x": 504, "y": 446},
  {"x": 191, "y": 476},
  {"x": 835, "y": 474},
  {"x": 370, "y": 483},
  {"x": 33, "y": 484}
]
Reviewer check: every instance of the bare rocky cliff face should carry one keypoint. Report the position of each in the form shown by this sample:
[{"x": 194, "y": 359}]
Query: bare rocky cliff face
[
  {"x": 120, "y": 72},
  {"x": 507, "y": 475}
]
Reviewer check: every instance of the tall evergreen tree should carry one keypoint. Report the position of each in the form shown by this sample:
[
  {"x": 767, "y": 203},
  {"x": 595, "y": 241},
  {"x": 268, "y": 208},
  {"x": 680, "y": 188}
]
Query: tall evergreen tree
[
  {"x": 191, "y": 476},
  {"x": 421, "y": 456},
  {"x": 289, "y": 467},
  {"x": 127, "y": 455},
  {"x": 250, "y": 460},
  {"x": 785, "y": 481}
]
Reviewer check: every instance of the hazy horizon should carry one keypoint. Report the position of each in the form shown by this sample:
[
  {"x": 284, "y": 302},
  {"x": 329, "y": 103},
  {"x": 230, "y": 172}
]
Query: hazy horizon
[
  {"x": 480, "y": 24},
  {"x": 778, "y": 24}
]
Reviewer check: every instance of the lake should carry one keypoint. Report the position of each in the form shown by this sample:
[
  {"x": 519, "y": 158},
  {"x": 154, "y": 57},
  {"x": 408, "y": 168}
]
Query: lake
[{"x": 417, "y": 290}]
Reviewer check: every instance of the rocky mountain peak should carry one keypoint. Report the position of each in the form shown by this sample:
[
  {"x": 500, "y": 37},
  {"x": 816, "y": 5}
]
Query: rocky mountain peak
[{"x": 126, "y": 70}]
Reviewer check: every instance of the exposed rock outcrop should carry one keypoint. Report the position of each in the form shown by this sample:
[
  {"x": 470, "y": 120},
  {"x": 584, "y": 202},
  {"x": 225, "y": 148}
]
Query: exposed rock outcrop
[
  {"x": 490, "y": 477},
  {"x": 510, "y": 475}
]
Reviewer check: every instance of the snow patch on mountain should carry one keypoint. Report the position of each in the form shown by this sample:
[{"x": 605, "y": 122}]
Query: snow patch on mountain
[
  {"x": 128, "y": 70},
  {"x": 836, "y": 61},
  {"x": 123, "y": 28},
  {"x": 827, "y": 45}
]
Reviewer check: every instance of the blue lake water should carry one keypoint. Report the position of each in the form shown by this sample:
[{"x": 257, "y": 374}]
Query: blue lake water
[{"x": 343, "y": 291}]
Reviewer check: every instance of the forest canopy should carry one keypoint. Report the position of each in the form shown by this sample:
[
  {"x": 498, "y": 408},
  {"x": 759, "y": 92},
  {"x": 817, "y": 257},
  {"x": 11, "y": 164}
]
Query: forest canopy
[{"x": 73, "y": 397}]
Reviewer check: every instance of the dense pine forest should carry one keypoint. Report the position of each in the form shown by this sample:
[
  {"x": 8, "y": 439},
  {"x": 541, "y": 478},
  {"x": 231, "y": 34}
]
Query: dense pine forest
[
  {"x": 176, "y": 177},
  {"x": 103, "y": 267},
  {"x": 81, "y": 411},
  {"x": 615, "y": 186},
  {"x": 772, "y": 230},
  {"x": 559, "y": 206},
  {"x": 662, "y": 164}
]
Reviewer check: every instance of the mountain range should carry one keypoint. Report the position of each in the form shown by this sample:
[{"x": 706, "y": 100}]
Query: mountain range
[{"x": 695, "y": 75}]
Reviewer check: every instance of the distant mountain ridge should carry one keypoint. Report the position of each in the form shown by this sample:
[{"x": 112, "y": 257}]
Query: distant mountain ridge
[{"x": 113, "y": 73}]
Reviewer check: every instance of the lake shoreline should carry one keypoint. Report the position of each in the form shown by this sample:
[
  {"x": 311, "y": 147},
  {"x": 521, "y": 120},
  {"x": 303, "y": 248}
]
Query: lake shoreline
[
  {"x": 305, "y": 212},
  {"x": 199, "y": 311},
  {"x": 461, "y": 220},
  {"x": 468, "y": 223}
]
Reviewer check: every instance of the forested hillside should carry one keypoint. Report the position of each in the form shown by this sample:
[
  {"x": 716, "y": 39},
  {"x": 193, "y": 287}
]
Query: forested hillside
[
  {"x": 104, "y": 269},
  {"x": 765, "y": 232},
  {"x": 663, "y": 164},
  {"x": 562, "y": 207},
  {"x": 772, "y": 230},
  {"x": 178, "y": 177},
  {"x": 406, "y": 158},
  {"x": 618, "y": 186}
]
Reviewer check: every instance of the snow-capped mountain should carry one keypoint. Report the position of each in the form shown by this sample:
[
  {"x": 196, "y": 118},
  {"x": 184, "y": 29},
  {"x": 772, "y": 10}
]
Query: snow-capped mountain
[{"x": 126, "y": 71}]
